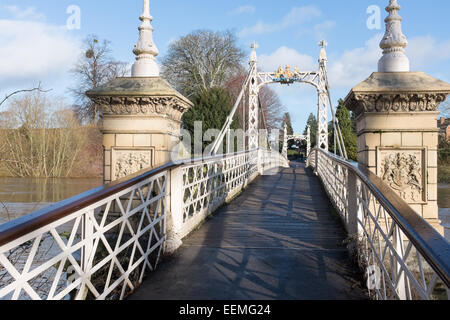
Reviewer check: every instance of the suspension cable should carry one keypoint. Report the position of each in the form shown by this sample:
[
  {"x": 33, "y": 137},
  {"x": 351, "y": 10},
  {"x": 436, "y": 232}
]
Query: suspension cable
[
  {"x": 264, "y": 123},
  {"x": 229, "y": 119},
  {"x": 337, "y": 128}
]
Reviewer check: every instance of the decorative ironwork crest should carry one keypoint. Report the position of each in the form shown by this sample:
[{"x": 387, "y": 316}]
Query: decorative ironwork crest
[{"x": 287, "y": 76}]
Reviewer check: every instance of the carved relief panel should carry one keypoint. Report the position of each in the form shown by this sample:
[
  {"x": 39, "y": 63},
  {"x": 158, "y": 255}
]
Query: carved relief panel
[
  {"x": 404, "y": 170},
  {"x": 127, "y": 162}
]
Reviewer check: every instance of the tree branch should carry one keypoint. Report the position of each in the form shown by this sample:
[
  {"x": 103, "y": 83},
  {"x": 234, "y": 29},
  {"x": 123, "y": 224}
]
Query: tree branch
[{"x": 38, "y": 88}]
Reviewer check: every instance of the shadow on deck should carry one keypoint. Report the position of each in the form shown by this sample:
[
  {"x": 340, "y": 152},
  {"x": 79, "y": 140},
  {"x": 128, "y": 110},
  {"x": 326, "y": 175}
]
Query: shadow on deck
[{"x": 277, "y": 240}]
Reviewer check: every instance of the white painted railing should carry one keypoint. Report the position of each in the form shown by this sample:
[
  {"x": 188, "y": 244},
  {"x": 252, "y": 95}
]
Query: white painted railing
[
  {"x": 100, "y": 244},
  {"x": 403, "y": 256}
]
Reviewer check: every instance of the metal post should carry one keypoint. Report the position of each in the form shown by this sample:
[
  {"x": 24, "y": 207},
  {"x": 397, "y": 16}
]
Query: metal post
[
  {"x": 253, "y": 110},
  {"x": 322, "y": 113},
  {"x": 87, "y": 253},
  {"x": 316, "y": 165},
  {"x": 174, "y": 220},
  {"x": 353, "y": 210},
  {"x": 308, "y": 141},
  {"x": 398, "y": 245}
]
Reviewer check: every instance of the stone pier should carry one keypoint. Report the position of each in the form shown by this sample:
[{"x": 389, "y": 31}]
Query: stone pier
[
  {"x": 396, "y": 112},
  {"x": 141, "y": 114},
  {"x": 140, "y": 124}
]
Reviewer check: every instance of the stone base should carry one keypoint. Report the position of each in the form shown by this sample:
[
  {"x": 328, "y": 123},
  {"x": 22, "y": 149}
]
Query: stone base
[{"x": 172, "y": 244}]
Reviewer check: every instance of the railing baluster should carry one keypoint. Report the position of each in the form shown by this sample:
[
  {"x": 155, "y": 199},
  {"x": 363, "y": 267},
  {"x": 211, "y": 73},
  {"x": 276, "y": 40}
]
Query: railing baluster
[{"x": 379, "y": 234}]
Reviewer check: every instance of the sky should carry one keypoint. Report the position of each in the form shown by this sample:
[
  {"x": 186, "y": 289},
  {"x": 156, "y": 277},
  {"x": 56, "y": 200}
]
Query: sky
[{"x": 40, "y": 40}]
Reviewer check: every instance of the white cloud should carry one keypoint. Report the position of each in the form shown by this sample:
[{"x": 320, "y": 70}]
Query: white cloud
[
  {"x": 347, "y": 69},
  {"x": 322, "y": 28},
  {"x": 243, "y": 9},
  {"x": 32, "y": 51},
  {"x": 296, "y": 16},
  {"x": 355, "y": 65},
  {"x": 28, "y": 13},
  {"x": 286, "y": 56},
  {"x": 424, "y": 51}
]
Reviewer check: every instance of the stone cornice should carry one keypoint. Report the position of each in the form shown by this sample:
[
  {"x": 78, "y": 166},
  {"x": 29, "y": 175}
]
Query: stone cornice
[
  {"x": 395, "y": 92},
  {"x": 389, "y": 102},
  {"x": 171, "y": 107}
]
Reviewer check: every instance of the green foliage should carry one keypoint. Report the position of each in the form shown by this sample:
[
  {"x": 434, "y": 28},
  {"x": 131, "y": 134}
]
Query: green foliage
[
  {"x": 288, "y": 122},
  {"x": 212, "y": 108},
  {"x": 312, "y": 122},
  {"x": 347, "y": 123},
  {"x": 290, "y": 131},
  {"x": 443, "y": 160}
]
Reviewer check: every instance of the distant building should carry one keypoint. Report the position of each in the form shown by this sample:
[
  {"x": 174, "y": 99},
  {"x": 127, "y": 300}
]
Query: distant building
[{"x": 444, "y": 127}]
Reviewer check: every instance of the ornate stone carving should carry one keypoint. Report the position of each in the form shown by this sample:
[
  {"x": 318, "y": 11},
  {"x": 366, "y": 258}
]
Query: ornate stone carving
[
  {"x": 385, "y": 102},
  {"x": 170, "y": 107},
  {"x": 403, "y": 171},
  {"x": 126, "y": 162}
]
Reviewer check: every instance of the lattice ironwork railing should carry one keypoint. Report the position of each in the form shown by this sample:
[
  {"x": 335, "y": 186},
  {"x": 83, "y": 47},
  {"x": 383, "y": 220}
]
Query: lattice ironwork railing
[
  {"x": 403, "y": 256},
  {"x": 101, "y": 244},
  {"x": 101, "y": 251},
  {"x": 207, "y": 184}
]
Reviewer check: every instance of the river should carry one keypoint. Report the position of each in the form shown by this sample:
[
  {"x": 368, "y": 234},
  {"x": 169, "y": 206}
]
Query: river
[{"x": 19, "y": 196}]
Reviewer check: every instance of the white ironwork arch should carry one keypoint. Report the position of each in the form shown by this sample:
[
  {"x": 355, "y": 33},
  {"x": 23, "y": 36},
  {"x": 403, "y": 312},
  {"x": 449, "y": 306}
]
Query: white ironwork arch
[{"x": 257, "y": 80}]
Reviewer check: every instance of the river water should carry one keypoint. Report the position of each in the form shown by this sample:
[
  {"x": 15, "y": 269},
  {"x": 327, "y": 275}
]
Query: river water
[{"x": 20, "y": 196}]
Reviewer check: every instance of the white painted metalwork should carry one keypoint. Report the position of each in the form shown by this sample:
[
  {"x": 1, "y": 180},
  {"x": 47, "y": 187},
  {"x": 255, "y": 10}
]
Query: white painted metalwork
[
  {"x": 319, "y": 80},
  {"x": 399, "y": 264},
  {"x": 296, "y": 137},
  {"x": 256, "y": 80},
  {"x": 108, "y": 246},
  {"x": 104, "y": 249},
  {"x": 285, "y": 142},
  {"x": 253, "y": 105},
  {"x": 308, "y": 140},
  {"x": 207, "y": 184}
]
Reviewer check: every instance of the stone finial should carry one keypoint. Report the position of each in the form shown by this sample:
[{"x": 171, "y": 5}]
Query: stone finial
[
  {"x": 253, "y": 55},
  {"x": 145, "y": 50},
  {"x": 394, "y": 42}
]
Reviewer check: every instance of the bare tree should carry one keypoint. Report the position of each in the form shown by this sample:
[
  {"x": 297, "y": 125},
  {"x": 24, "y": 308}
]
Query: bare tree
[
  {"x": 42, "y": 138},
  {"x": 201, "y": 60},
  {"x": 272, "y": 107},
  {"x": 94, "y": 68},
  {"x": 38, "y": 88},
  {"x": 444, "y": 108}
]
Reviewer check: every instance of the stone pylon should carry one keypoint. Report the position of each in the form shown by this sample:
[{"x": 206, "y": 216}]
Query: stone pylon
[
  {"x": 141, "y": 114},
  {"x": 396, "y": 112}
]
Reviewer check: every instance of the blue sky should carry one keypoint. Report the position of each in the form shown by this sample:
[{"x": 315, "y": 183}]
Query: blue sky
[{"x": 35, "y": 44}]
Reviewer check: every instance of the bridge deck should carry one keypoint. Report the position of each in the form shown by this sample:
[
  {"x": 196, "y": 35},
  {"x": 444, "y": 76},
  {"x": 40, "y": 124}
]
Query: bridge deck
[{"x": 277, "y": 240}]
